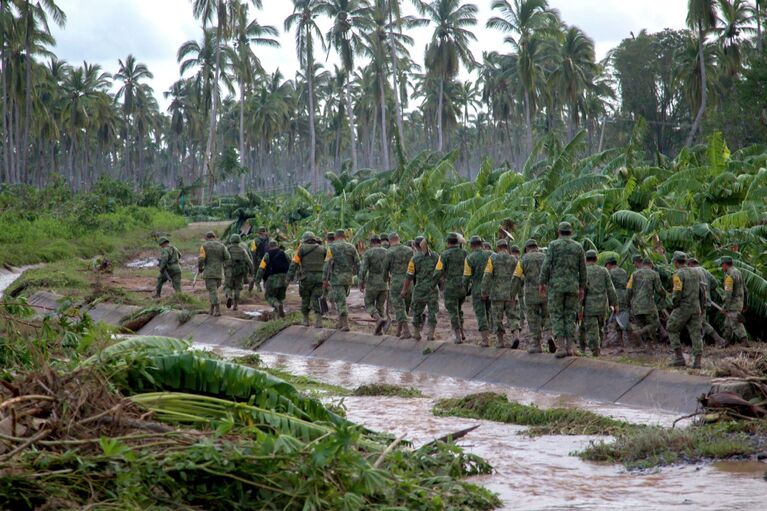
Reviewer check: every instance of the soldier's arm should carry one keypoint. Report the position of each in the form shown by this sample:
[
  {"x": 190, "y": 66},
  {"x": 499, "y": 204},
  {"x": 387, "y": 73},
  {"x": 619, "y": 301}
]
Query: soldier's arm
[
  {"x": 327, "y": 269},
  {"x": 249, "y": 260},
  {"x": 677, "y": 287},
  {"x": 582, "y": 273},
  {"x": 355, "y": 258},
  {"x": 467, "y": 272},
  {"x": 164, "y": 256},
  {"x": 612, "y": 296},
  {"x": 729, "y": 287},
  {"x": 202, "y": 259},
  {"x": 408, "y": 278},
  {"x": 362, "y": 276},
  {"x": 659, "y": 290},
  {"x": 546, "y": 269},
  {"x": 487, "y": 278},
  {"x": 630, "y": 289},
  {"x": 439, "y": 269},
  {"x": 227, "y": 255},
  {"x": 518, "y": 279}
]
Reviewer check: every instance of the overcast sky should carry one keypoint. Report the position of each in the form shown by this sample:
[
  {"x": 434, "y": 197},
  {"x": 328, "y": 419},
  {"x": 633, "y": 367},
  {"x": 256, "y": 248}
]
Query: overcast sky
[{"x": 103, "y": 31}]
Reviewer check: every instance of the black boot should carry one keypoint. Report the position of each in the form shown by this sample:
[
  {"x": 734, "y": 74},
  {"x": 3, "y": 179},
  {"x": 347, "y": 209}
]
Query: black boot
[{"x": 678, "y": 360}]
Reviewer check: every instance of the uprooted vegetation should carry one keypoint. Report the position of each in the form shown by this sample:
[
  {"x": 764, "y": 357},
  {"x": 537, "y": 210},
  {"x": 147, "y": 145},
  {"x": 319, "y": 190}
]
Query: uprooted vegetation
[
  {"x": 149, "y": 423},
  {"x": 385, "y": 389}
]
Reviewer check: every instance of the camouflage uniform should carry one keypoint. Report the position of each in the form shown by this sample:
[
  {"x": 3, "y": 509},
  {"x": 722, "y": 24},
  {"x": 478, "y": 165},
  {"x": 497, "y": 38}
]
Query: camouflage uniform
[
  {"x": 372, "y": 279},
  {"x": 213, "y": 256},
  {"x": 641, "y": 291},
  {"x": 687, "y": 299},
  {"x": 273, "y": 271},
  {"x": 473, "y": 271},
  {"x": 600, "y": 292},
  {"x": 709, "y": 283},
  {"x": 734, "y": 301},
  {"x": 240, "y": 266},
  {"x": 450, "y": 266},
  {"x": 341, "y": 263},
  {"x": 527, "y": 274},
  {"x": 620, "y": 279},
  {"x": 395, "y": 270},
  {"x": 308, "y": 261},
  {"x": 170, "y": 266},
  {"x": 517, "y": 314},
  {"x": 420, "y": 270},
  {"x": 564, "y": 273},
  {"x": 497, "y": 285}
]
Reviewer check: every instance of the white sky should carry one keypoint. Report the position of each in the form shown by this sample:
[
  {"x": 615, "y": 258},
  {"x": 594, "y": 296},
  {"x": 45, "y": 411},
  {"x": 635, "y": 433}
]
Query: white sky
[{"x": 103, "y": 31}]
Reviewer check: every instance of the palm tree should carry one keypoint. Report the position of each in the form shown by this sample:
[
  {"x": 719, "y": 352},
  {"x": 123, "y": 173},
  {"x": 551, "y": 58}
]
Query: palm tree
[
  {"x": 575, "y": 71},
  {"x": 529, "y": 20},
  {"x": 449, "y": 46},
  {"x": 737, "y": 17},
  {"x": 303, "y": 19},
  {"x": 701, "y": 18},
  {"x": 131, "y": 73}
]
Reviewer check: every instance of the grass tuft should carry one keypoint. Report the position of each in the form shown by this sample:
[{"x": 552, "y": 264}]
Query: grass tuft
[{"x": 385, "y": 389}]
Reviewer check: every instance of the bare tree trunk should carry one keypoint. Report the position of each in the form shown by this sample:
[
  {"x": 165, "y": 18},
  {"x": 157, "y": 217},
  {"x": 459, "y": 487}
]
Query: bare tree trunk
[
  {"x": 439, "y": 113},
  {"x": 352, "y": 124},
  {"x": 703, "y": 89},
  {"x": 312, "y": 134},
  {"x": 384, "y": 139},
  {"x": 395, "y": 85},
  {"x": 208, "y": 158},
  {"x": 242, "y": 138},
  {"x": 529, "y": 123}
]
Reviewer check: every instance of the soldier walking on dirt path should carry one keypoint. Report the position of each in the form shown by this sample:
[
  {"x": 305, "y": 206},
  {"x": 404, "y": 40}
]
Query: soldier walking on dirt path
[
  {"x": 473, "y": 270},
  {"x": 709, "y": 283},
  {"x": 563, "y": 280},
  {"x": 308, "y": 262},
  {"x": 449, "y": 274},
  {"x": 600, "y": 294},
  {"x": 258, "y": 248},
  {"x": 395, "y": 270},
  {"x": 687, "y": 299},
  {"x": 372, "y": 282},
  {"x": 273, "y": 270},
  {"x": 620, "y": 279},
  {"x": 527, "y": 275},
  {"x": 420, "y": 275},
  {"x": 642, "y": 291},
  {"x": 517, "y": 307},
  {"x": 240, "y": 266},
  {"x": 734, "y": 302},
  {"x": 213, "y": 255},
  {"x": 341, "y": 263},
  {"x": 170, "y": 267},
  {"x": 497, "y": 286}
]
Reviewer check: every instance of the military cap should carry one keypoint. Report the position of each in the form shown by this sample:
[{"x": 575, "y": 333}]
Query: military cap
[
  {"x": 502, "y": 243},
  {"x": 637, "y": 258},
  {"x": 647, "y": 260},
  {"x": 384, "y": 237},
  {"x": 273, "y": 244},
  {"x": 680, "y": 256},
  {"x": 692, "y": 259},
  {"x": 262, "y": 229},
  {"x": 393, "y": 234},
  {"x": 726, "y": 260},
  {"x": 591, "y": 254},
  {"x": 235, "y": 238},
  {"x": 330, "y": 236},
  {"x": 611, "y": 260},
  {"x": 210, "y": 235},
  {"x": 163, "y": 240},
  {"x": 565, "y": 227},
  {"x": 475, "y": 240},
  {"x": 452, "y": 238},
  {"x": 375, "y": 238},
  {"x": 341, "y": 233},
  {"x": 307, "y": 236},
  {"x": 417, "y": 241},
  {"x": 515, "y": 249},
  {"x": 531, "y": 243}
]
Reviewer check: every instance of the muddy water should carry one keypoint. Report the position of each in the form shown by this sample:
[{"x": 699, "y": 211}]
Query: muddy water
[{"x": 9, "y": 277}]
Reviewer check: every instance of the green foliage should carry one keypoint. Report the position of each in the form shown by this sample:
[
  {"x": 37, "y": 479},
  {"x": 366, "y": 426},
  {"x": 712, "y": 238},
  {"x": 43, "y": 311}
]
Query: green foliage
[{"x": 385, "y": 389}]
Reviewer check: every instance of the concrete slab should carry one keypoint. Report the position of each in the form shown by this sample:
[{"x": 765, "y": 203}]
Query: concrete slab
[
  {"x": 596, "y": 379},
  {"x": 520, "y": 369},
  {"x": 667, "y": 390},
  {"x": 44, "y": 302},
  {"x": 222, "y": 330},
  {"x": 165, "y": 325},
  {"x": 400, "y": 354},
  {"x": 296, "y": 340},
  {"x": 189, "y": 328},
  {"x": 347, "y": 346},
  {"x": 459, "y": 360}
]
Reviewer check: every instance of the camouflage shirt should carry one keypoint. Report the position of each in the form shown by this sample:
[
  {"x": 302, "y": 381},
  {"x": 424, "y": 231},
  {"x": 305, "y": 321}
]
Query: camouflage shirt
[
  {"x": 341, "y": 263},
  {"x": 734, "y": 290},
  {"x": 420, "y": 269},
  {"x": 620, "y": 280},
  {"x": 372, "y": 271},
  {"x": 395, "y": 265},
  {"x": 309, "y": 260},
  {"x": 642, "y": 288},
  {"x": 213, "y": 255},
  {"x": 564, "y": 268},
  {"x": 528, "y": 272},
  {"x": 474, "y": 270},
  {"x": 170, "y": 258},
  {"x": 688, "y": 294},
  {"x": 241, "y": 261},
  {"x": 600, "y": 291},
  {"x": 451, "y": 265},
  {"x": 497, "y": 279}
]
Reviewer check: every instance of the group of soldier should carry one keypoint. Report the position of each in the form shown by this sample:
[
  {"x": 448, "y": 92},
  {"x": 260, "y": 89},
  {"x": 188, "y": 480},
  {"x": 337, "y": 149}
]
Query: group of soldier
[{"x": 564, "y": 288}]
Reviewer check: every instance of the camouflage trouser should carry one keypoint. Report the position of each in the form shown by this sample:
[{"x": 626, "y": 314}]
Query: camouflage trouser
[
  {"x": 690, "y": 319},
  {"x": 481, "y": 311},
  {"x": 175, "y": 279},
  {"x": 212, "y": 286},
  {"x": 338, "y": 294},
  {"x": 649, "y": 324},
  {"x": 563, "y": 311},
  {"x": 234, "y": 286},
  {"x": 310, "y": 290},
  {"x": 274, "y": 289},
  {"x": 536, "y": 316},
  {"x": 515, "y": 316},
  {"x": 734, "y": 329},
  {"x": 419, "y": 306},
  {"x": 501, "y": 308},
  {"x": 227, "y": 281},
  {"x": 454, "y": 307},
  {"x": 591, "y": 331},
  {"x": 375, "y": 302},
  {"x": 398, "y": 304}
]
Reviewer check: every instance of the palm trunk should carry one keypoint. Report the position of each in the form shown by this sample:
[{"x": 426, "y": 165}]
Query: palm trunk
[
  {"x": 208, "y": 158},
  {"x": 703, "y": 89},
  {"x": 529, "y": 123},
  {"x": 384, "y": 138},
  {"x": 759, "y": 42},
  {"x": 352, "y": 124},
  {"x": 27, "y": 92},
  {"x": 242, "y": 137},
  {"x": 439, "y": 113},
  {"x": 395, "y": 85},
  {"x": 573, "y": 122},
  {"x": 312, "y": 134},
  {"x": 6, "y": 174}
]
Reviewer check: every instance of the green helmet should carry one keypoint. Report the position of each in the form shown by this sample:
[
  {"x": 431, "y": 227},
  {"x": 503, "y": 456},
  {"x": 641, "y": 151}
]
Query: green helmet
[
  {"x": 235, "y": 238},
  {"x": 514, "y": 249},
  {"x": 611, "y": 260},
  {"x": 163, "y": 240},
  {"x": 502, "y": 243},
  {"x": 565, "y": 227},
  {"x": 637, "y": 258},
  {"x": 210, "y": 235},
  {"x": 680, "y": 257},
  {"x": 726, "y": 260},
  {"x": 307, "y": 236},
  {"x": 475, "y": 240},
  {"x": 452, "y": 237},
  {"x": 591, "y": 254},
  {"x": 531, "y": 243}
]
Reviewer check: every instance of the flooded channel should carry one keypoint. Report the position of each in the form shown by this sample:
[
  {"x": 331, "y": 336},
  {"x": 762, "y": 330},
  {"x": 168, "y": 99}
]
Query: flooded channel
[{"x": 536, "y": 473}]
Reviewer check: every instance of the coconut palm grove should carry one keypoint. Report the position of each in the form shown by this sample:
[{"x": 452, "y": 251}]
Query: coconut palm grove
[{"x": 381, "y": 119}]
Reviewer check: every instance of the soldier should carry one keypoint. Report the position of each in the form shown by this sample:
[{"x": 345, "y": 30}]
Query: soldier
[
  {"x": 642, "y": 291},
  {"x": 497, "y": 285},
  {"x": 420, "y": 275},
  {"x": 330, "y": 237},
  {"x": 709, "y": 283},
  {"x": 273, "y": 270},
  {"x": 563, "y": 279},
  {"x": 600, "y": 294},
  {"x": 638, "y": 262},
  {"x": 170, "y": 269},
  {"x": 308, "y": 261},
  {"x": 395, "y": 270},
  {"x": 516, "y": 316},
  {"x": 487, "y": 247},
  {"x": 734, "y": 302},
  {"x": 687, "y": 299},
  {"x": 240, "y": 266},
  {"x": 473, "y": 271},
  {"x": 620, "y": 279},
  {"x": 341, "y": 263},
  {"x": 528, "y": 272},
  {"x": 372, "y": 281},
  {"x": 449, "y": 271},
  {"x": 213, "y": 256},
  {"x": 258, "y": 248},
  {"x": 385, "y": 241}
]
